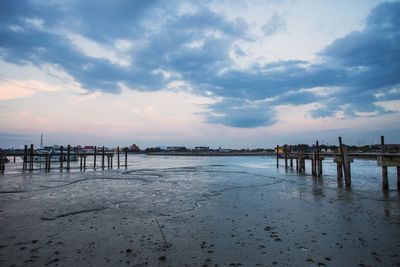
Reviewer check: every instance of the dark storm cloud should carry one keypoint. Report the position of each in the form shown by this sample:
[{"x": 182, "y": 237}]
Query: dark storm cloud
[{"x": 362, "y": 67}]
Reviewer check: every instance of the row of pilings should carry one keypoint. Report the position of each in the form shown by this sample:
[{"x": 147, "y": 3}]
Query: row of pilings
[
  {"x": 343, "y": 161},
  {"x": 63, "y": 158}
]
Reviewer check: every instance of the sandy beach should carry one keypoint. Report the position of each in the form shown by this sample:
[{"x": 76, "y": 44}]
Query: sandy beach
[{"x": 196, "y": 212}]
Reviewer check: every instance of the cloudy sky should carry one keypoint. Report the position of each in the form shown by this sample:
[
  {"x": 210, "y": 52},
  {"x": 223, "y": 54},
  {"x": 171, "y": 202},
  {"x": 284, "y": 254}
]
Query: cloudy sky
[{"x": 218, "y": 73}]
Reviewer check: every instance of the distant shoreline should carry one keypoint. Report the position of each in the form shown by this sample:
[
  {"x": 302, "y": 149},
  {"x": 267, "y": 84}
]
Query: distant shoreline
[{"x": 208, "y": 154}]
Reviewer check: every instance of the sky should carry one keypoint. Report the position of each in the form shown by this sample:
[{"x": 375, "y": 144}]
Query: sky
[{"x": 231, "y": 74}]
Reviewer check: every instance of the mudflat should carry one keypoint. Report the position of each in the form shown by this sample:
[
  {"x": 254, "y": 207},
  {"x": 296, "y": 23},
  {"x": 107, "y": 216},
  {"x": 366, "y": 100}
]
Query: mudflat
[{"x": 197, "y": 212}]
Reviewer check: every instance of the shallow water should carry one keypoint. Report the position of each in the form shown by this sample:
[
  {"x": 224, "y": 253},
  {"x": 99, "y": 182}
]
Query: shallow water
[{"x": 212, "y": 210}]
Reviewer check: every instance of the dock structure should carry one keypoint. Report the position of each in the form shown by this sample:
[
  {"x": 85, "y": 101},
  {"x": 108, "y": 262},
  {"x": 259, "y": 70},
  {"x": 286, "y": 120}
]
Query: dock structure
[
  {"x": 343, "y": 161},
  {"x": 62, "y": 159},
  {"x": 299, "y": 155}
]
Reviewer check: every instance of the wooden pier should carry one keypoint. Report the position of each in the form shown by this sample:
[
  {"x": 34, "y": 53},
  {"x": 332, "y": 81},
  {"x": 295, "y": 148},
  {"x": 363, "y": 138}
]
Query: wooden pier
[
  {"x": 343, "y": 161},
  {"x": 62, "y": 159}
]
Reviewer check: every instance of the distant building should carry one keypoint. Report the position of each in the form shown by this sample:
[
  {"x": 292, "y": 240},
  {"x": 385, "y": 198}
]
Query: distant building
[
  {"x": 87, "y": 149},
  {"x": 176, "y": 149},
  {"x": 201, "y": 148}
]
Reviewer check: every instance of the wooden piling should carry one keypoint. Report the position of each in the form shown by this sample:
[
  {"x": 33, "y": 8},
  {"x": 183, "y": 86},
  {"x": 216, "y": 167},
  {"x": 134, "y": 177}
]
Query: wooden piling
[
  {"x": 313, "y": 163},
  {"x": 94, "y": 157},
  {"x": 345, "y": 162},
  {"x": 385, "y": 179},
  {"x": 25, "y": 158},
  {"x": 2, "y": 161},
  {"x": 339, "y": 171},
  {"x": 111, "y": 160},
  {"x": 61, "y": 158},
  {"x": 68, "y": 157},
  {"x": 398, "y": 178},
  {"x": 102, "y": 158},
  {"x": 291, "y": 159},
  {"x": 49, "y": 164},
  {"x": 118, "y": 156},
  {"x": 286, "y": 156},
  {"x": 81, "y": 163},
  {"x": 84, "y": 163},
  {"x": 126, "y": 157},
  {"x": 318, "y": 162},
  {"x": 14, "y": 158},
  {"x": 31, "y": 159},
  {"x": 45, "y": 163},
  {"x": 277, "y": 156}
]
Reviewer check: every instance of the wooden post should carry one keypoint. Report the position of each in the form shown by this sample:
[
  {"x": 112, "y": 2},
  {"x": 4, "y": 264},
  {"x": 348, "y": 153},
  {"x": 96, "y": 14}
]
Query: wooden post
[
  {"x": 108, "y": 161},
  {"x": 339, "y": 171},
  {"x": 385, "y": 180},
  {"x": 111, "y": 160},
  {"x": 346, "y": 167},
  {"x": 68, "y": 157},
  {"x": 14, "y": 158},
  {"x": 61, "y": 158},
  {"x": 31, "y": 159},
  {"x": 2, "y": 162},
  {"x": 126, "y": 157},
  {"x": 313, "y": 162},
  {"x": 118, "y": 156},
  {"x": 84, "y": 163},
  {"x": 343, "y": 155},
  {"x": 81, "y": 163},
  {"x": 94, "y": 159},
  {"x": 286, "y": 159},
  {"x": 45, "y": 163},
  {"x": 277, "y": 156},
  {"x": 102, "y": 158},
  {"x": 318, "y": 162},
  {"x": 398, "y": 178},
  {"x": 49, "y": 164},
  {"x": 25, "y": 158},
  {"x": 291, "y": 159}
]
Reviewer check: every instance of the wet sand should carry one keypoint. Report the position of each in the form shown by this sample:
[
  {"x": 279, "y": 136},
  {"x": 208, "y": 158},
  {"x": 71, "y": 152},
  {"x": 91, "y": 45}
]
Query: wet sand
[{"x": 209, "y": 215}]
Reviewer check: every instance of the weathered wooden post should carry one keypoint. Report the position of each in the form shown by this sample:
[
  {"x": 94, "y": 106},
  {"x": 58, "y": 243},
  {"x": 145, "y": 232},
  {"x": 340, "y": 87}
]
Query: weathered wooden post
[
  {"x": 277, "y": 156},
  {"x": 112, "y": 158},
  {"x": 94, "y": 159},
  {"x": 102, "y": 158},
  {"x": 126, "y": 157},
  {"x": 345, "y": 162},
  {"x": 14, "y": 158},
  {"x": 118, "y": 156},
  {"x": 45, "y": 162},
  {"x": 339, "y": 171},
  {"x": 313, "y": 162},
  {"x": 2, "y": 162},
  {"x": 49, "y": 164},
  {"x": 398, "y": 178},
  {"x": 68, "y": 157},
  {"x": 81, "y": 163},
  {"x": 385, "y": 180},
  {"x": 61, "y": 158},
  {"x": 84, "y": 163},
  {"x": 31, "y": 159},
  {"x": 291, "y": 159},
  {"x": 286, "y": 156},
  {"x": 25, "y": 158},
  {"x": 318, "y": 161}
]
